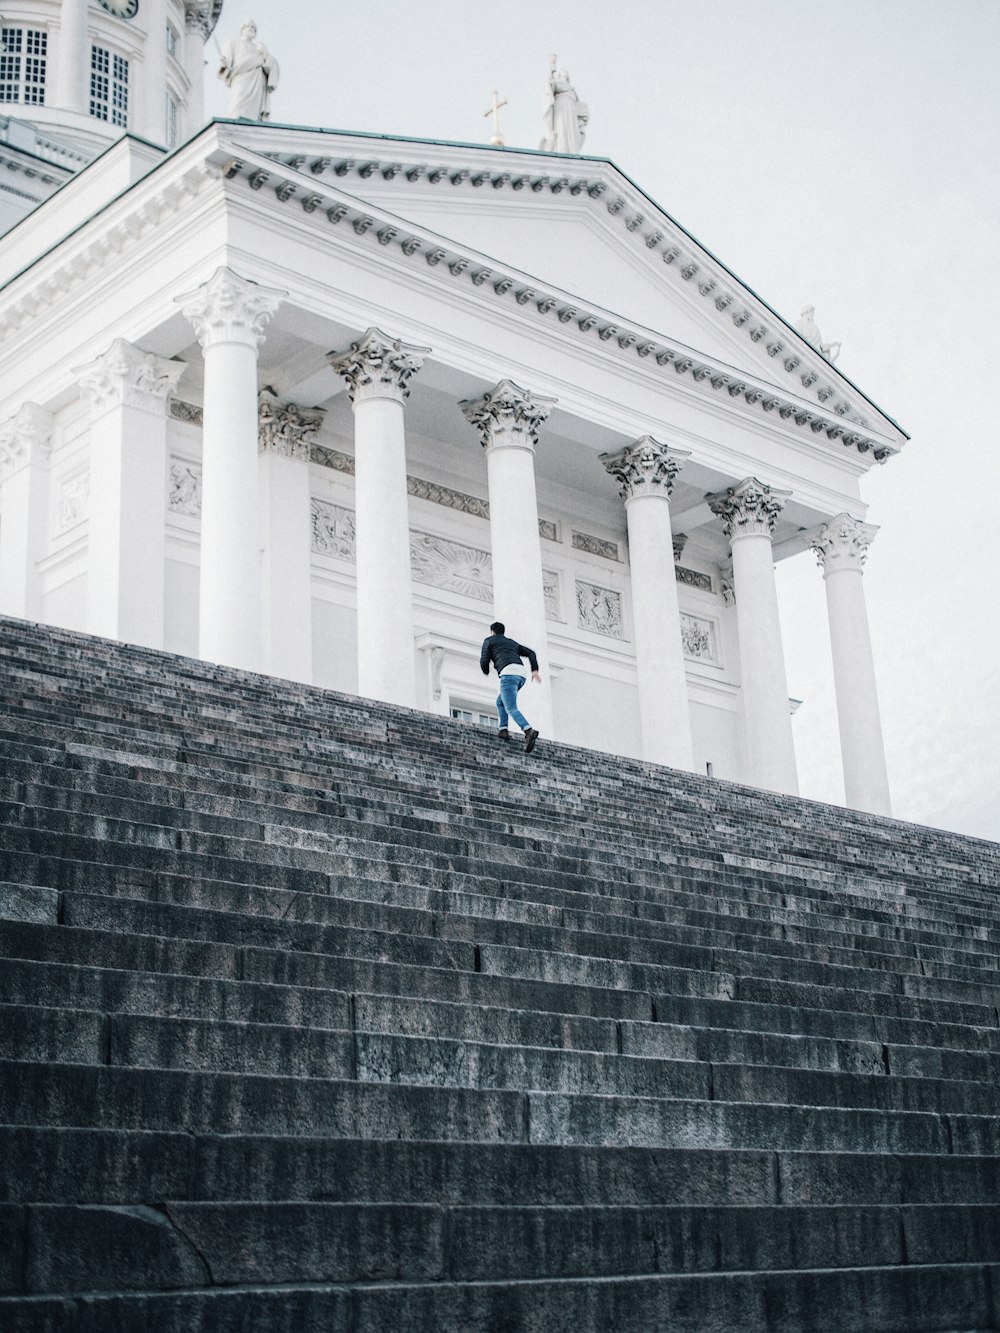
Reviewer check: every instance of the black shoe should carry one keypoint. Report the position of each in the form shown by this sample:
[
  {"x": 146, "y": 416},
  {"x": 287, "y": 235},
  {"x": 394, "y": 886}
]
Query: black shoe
[
  {"x": 530, "y": 736},
  {"x": 503, "y": 734}
]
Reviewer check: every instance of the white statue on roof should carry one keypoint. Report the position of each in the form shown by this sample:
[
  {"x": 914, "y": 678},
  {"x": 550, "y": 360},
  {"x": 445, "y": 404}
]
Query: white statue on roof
[
  {"x": 565, "y": 115},
  {"x": 808, "y": 329},
  {"x": 251, "y": 74}
]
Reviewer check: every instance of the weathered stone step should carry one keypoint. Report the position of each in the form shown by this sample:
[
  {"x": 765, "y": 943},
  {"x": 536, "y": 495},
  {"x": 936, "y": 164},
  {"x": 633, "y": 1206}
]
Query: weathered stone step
[
  {"x": 898, "y": 1299},
  {"x": 74, "y": 1247},
  {"x": 106, "y": 1097},
  {"x": 59, "y": 1164}
]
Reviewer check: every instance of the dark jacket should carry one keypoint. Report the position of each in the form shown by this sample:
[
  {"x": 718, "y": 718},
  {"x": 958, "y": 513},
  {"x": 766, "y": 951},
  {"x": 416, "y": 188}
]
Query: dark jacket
[{"x": 502, "y": 652}]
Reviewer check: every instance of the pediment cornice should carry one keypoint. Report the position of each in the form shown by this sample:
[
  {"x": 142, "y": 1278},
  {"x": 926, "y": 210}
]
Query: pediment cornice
[
  {"x": 653, "y": 236},
  {"x": 326, "y": 202}
]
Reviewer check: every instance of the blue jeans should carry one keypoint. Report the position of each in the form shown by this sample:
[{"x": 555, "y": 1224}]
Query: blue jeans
[{"x": 507, "y": 701}]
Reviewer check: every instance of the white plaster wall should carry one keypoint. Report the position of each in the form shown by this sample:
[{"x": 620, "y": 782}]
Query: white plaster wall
[
  {"x": 596, "y": 711},
  {"x": 715, "y": 739},
  {"x": 180, "y": 607},
  {"x": 66, "y": 604},
  {"x": 335, "y": 646}
]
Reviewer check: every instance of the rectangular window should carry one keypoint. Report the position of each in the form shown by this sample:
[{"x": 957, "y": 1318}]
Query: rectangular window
[
  {"x": 22, "y": 65},
  {"x": 171, "y": 41},
  {"x": 108, "y": 86},
  {"x": 474, "y": 716},
  {"x": 171, "y": 122}
]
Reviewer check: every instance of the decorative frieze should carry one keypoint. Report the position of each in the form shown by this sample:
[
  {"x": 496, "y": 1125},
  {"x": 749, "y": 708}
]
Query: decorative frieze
[
  {"x": 548, "y": 530},
  {"x": 646, "y": 467},
  {"x": 377, "y": 366},
  {"x": 591, "y": 545},
  {"x": 285, "y": 428},
  {"x": 444, "y": 495},
  {"x": 27, "y": 433},
  {"x": 748, "y": 509},
  {"x": 451, "y": 566},
  {"x": 693, "y": 578},
  {"x": 843, "y": 543},
  {"x": 184, "y": 488},
  {"x": 126, "y": 376},
  {"x": 508, "y": 416},
  {"x": 698, "y": 638},
  {"x": 331, "y": 458},
  {"x": 333, "y": 530},
  {"x": 189, "y": 412},
  {"x": 71, "y": 502},
  {"x": 599, "y": 610}
]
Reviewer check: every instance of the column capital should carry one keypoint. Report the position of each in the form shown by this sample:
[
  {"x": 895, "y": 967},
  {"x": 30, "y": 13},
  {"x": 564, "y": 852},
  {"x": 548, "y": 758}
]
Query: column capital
[
  {"x": 230, "y": 309},
  {"x": 285, "y": 428},
  {"x": 27, "y": 432},
  {"x": 749, "y": 508},
  {"x": 127, "y": 376},
  {"x": 646, "y": 467},
  {"x": 201, "y": 16},
  {"x": 508, "y": 416},
  {"x": 377, "y": 366},
  {"x": 843, "y": 543}
]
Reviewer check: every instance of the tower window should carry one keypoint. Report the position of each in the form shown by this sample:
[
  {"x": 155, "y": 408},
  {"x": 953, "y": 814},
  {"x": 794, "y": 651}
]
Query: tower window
[
  {"x": 171, "y": 40},
  {"x": 108, "y": 86},
  {"x": 22, "y": 65},
  {"x": 171, "y": 122}
]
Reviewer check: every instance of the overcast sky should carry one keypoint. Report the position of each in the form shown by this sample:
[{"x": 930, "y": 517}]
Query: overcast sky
[{"x": 839, "y": 154}]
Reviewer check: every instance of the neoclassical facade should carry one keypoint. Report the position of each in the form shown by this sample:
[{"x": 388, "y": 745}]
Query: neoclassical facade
[{"x": 324, "y": 405}]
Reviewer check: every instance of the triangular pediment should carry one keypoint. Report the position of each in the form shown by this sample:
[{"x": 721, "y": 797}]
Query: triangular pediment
[{"x": 580, "y": 226}]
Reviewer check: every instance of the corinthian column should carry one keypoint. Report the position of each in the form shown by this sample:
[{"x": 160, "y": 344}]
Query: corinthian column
[
  {"x": 229, "y": 315},
  {"x": 127, "y": 389},
  {"x": 24, "y": 453},
  {"x": 285, "y": 433},
  {"x": 842, "y": 546},
  {"x": 378, "y": 370},
  {"x": 199, "y": 23},
  {"x": 645, "y": 472},
  {"x": 748, "y": 512},
  {"x": 508, "y": 419}
]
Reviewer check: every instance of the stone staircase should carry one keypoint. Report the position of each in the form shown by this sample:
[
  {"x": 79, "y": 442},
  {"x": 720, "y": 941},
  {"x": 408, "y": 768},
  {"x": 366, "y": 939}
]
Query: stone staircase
[{"x": 318, "y": 1014}]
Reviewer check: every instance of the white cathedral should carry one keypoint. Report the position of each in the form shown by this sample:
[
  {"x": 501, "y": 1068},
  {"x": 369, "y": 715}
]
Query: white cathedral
[{"x": 324, "y": 405}]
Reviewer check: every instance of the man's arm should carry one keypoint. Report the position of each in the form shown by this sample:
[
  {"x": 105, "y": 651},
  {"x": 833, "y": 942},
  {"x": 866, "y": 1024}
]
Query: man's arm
[
  {"x": 529, "y": 653},
  {"x": 484, "y": 658}
]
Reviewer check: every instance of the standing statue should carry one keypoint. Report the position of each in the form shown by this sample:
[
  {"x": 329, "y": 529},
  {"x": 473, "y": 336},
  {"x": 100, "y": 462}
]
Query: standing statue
[
  {"x": 251, "y": 74},
  {"x": 565, "y": 115},
  {"x": 809, "y": 330}
]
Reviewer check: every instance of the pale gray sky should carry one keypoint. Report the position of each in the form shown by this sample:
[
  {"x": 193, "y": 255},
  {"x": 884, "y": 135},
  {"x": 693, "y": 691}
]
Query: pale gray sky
[{"x": 840, "y": 154}]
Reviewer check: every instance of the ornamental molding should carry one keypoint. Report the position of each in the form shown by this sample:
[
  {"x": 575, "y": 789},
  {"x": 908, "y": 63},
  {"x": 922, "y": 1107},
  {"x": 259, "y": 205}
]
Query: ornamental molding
[
  {"x": 591, "y": 545},
  {"x": 327, "y": 206},
  {"x": 748, "y": 509},
  {"x": 189, "y": 412},
  {"x": 843, "y": 544},
  {"x": 599, "y": 610},
  {"x": 699, "y": 638},
  {"x": 71, "y": 502},
  {"x": 693, "y": 578},
  {"x": 230, "y": 308},
  {"x": 184, "y": 488},
  {"x": 507, "y": 416},
  {"x": 652, "y": 242},
  {"x": 378, "y": 366},
  {"x": 286, "y": 429},
  {"x": 645, "y": 468},
  {"x": 201, "y": 16},
  {"x": 102, "y": 244},
  {"x": 126, "y": 376},
  {"x": 25, "y": 436}
]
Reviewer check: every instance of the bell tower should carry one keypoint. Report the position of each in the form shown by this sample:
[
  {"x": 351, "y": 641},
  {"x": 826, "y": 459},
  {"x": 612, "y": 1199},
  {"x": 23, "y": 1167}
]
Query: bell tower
[{"x": 82, "y": 72}]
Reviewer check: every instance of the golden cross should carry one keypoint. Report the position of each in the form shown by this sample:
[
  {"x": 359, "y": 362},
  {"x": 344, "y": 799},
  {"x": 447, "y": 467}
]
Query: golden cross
[{"x": 494, "y": 111}]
